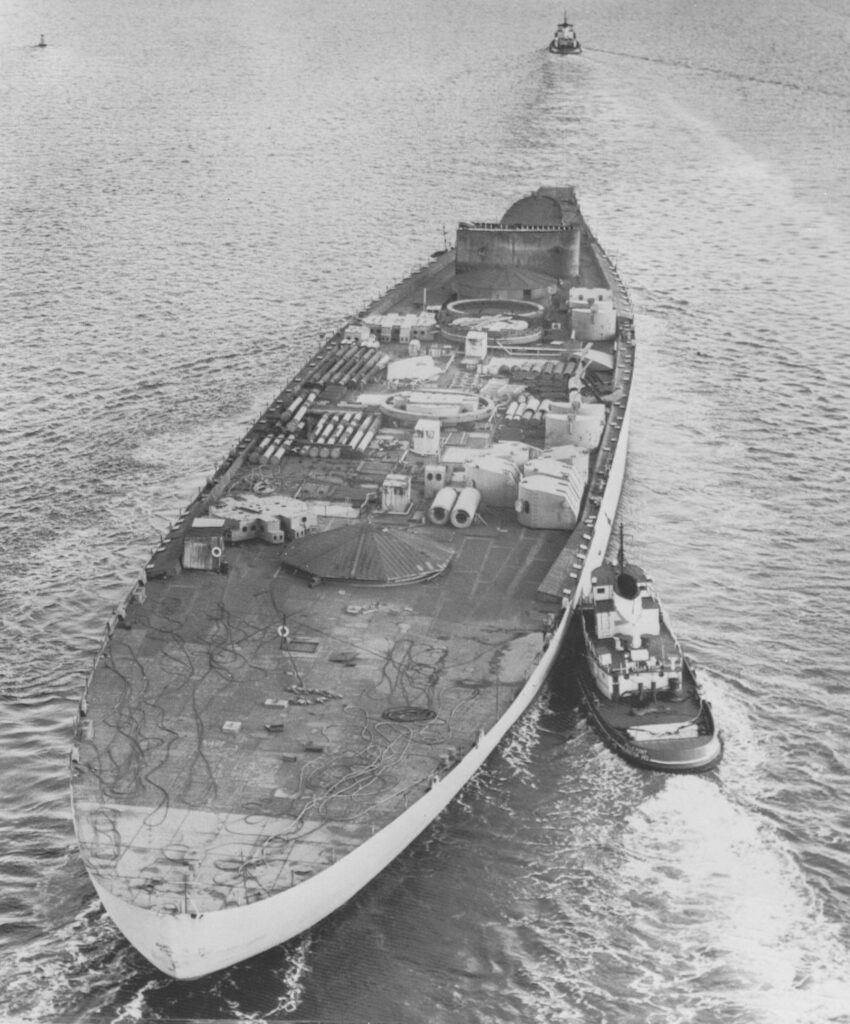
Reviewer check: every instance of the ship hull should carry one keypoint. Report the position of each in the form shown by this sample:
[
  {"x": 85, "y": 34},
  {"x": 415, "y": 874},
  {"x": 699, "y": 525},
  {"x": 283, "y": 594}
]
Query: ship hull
[{"x": 272, "y": 718}]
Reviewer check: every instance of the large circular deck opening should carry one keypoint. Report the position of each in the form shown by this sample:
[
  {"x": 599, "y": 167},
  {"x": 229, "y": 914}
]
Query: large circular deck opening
[
  {"x": 518, "y": 308},
  {"x": 507, "y": 321},
  {"x": 451, "y": 408}
]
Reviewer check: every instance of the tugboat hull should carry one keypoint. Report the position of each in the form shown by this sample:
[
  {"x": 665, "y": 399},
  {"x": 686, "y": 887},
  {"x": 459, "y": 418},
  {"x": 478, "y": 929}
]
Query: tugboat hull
[
  {"x": 691, "y": 755},
  {"x": 639, "y": 690},
  {"x": 565, "y": 41}
]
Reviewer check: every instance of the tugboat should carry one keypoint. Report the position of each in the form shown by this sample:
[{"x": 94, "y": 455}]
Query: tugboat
[
  {"x": 565, "y": 40},
  {"x": 639, "y": 689}
]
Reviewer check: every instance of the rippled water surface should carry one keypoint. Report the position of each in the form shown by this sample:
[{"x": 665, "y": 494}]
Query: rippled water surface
[{"x": 190, "y": 194}]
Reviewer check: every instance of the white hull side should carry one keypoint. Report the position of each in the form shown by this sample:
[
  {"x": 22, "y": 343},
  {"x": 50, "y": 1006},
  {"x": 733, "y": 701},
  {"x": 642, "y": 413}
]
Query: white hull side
[
  {"x": 186, "y": 946},
  {"x": 601, "y": 536}
]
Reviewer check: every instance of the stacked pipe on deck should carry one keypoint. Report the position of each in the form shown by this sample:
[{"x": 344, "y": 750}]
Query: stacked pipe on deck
[
  {"x": 348, "y": 365},
  {"x": 532, "y": 370},
  {"x": 283, "y": 427},
  {"x": 525, "y": 417},
  {"x": 527, "y": 408},
  {"x": 340, "y": 433}
]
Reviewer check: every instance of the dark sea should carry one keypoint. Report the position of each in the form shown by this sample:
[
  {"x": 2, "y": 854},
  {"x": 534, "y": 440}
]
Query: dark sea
[{"x": 191, "y": 192}]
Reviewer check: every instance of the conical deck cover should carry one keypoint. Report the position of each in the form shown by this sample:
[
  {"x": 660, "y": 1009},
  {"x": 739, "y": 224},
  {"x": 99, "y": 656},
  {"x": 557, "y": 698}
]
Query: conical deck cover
[{"x": 367, "y": 553}]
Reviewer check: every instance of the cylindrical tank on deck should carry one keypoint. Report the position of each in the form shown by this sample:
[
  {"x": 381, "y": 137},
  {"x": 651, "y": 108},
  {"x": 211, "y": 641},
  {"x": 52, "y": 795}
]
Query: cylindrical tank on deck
[
  {"x": 346, "y": 363},
  {"x": 319, "y": 426},
  {"x": 289, "y": 411},
  {"x": 294, "y": 424},
  {"x": 369, "y": 436},
  {"x": 465, "y": 508},
  {"x": 368, "y": 368},
  {"x": 340, "y": 428},
  {"x": 265, "y": 444},
  {"x": 329, "y": 429},
  {"x": 276, "y": 454},
  {"x": 351, "y": 428},
  {"x": 363, "y": 428},
  {"x": 442, "y": 506},
  {"x": 542, "y": 409},
  {"x": 531, "y": 407}
]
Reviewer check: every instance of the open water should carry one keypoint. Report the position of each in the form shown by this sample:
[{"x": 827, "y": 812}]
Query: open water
[{"x": 191, "y": 192}]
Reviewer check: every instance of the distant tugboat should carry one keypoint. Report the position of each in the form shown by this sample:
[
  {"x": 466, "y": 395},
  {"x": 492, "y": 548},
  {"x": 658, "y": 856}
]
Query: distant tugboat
[
  {"x": 639, "y": 689},
  {"x": 565, "y": 40},
  {"x": 41, "y": 44}
]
